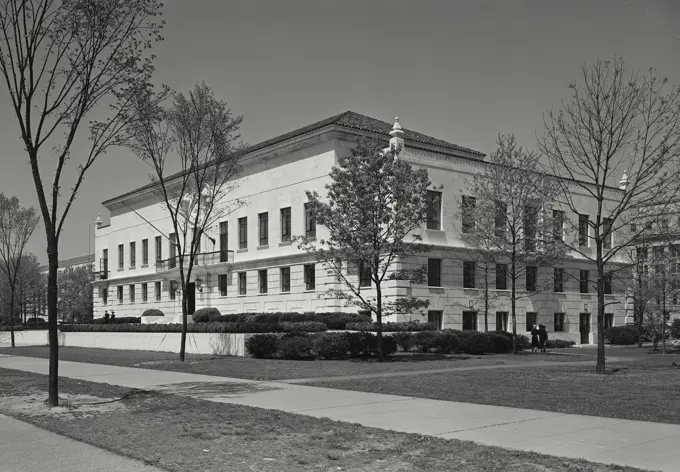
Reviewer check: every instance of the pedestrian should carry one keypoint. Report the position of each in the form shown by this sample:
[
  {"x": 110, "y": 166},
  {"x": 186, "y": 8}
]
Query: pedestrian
[
  {"x": 542, "y": 337},
  {"x": 534, "y": 338}
]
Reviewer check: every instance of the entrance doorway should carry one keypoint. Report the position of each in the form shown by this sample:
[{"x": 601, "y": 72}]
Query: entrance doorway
[
  {"x": 584, "y": 327},
  {"x": 191, "y": 298}
]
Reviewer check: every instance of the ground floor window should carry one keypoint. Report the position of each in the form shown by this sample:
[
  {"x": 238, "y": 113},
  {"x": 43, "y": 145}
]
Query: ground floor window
[
  {"x": 120, "y": 294},
  {"x": 469, "y": 321},
  {"x": 241, "y": 283},
  {"x": 285, "y": 279},
  {"x": 435, "y": 317},
  {"x": 222, "y": 283},
  {"x": 145, "y": 292},
  {"x": 532, "y": 320},
  {"x": 501, "y": 321},
  {"x": 158, "y": 291},
  {"x": 263, "y": 280},
  {"x": 558, "y": 324},
  {"x": 173, "y": 289},
  {"x": 104, "y": 293},
  {"x": 608, "y": 320},
  {"x": 310, "y": 277}
]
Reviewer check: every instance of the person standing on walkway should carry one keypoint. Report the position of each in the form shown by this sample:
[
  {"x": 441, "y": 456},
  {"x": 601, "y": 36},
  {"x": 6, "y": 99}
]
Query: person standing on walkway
[
  {"x": 534, "y": 338},
  {"x": 542, "y": 337}
]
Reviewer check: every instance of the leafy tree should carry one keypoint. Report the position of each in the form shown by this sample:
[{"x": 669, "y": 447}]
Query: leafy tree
[
  {"x": 199, "y": 135},
  {"x": 504, "y": 220},
  {"x": 75, "y": 293},
  {"x": 62, "y": 62},
  {"x": 16, "y": 227},
  {"x": 617, "y": 123},
  {"x": 31, "y": 283},
  {"x": 373, "y": 210}
]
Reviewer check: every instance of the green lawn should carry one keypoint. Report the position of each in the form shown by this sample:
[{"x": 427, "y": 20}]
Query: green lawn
[
  {"x": 645, "y": 390},
  {"x": 269, "y": 369},
  {"x": 180, "y": 434}
]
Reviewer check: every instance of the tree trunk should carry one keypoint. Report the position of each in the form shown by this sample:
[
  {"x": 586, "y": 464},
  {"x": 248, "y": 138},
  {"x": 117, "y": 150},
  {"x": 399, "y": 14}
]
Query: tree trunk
[
  {"x": 486, "y": 298},
  {"x": 600, "y": 366},
  {"x": 378, "y": 293},
  {"x": 513, "y": 309},
  {"x": 53, "y": 258}
]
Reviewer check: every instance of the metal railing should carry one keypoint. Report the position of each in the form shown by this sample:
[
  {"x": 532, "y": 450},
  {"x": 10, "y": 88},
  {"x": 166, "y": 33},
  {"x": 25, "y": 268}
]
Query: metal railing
[{"x": 200, "y": 259}]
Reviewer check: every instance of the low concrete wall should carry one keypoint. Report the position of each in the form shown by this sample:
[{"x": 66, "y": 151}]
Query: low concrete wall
[
  {"x": 157, "y": 319},
  {"x": 219, "y": 344},
  {"x": 24, "y": 338}
]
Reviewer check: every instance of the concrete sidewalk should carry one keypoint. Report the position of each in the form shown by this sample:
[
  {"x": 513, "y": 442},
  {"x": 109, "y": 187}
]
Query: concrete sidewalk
[
  {"x": 613, "y": 441},
  {"x": 26, "y": 447}
]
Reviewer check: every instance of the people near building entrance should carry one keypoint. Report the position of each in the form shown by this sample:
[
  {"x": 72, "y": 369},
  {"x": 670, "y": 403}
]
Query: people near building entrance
[
  {"x": 542, "y": 337},
  {"x": 534, "y": 338}
]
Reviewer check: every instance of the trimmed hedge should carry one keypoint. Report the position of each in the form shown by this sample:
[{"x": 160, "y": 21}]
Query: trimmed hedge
[
  {"x": 451, "y": 341},
  {"x": 204, "y": 315},
  {"x": 114, "y": 320},
  {"x": 153, "y": 312},
  {"x": 622, "y": 335},
  {"x": 559, "y": 343},
  {"x": 309, "y": 326},
  {"x": 303, "y": 346},
  {"x": 391, "y": 327},
  {"x": 332, "y": 320}
]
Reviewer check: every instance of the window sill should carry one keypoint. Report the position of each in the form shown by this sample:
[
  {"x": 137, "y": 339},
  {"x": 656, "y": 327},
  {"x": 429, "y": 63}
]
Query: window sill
[
  {"x": 244, "y": 249},
  {"x": 120, "y": 269},
  {"x": 435, "y": 287},
  {"x": 309, "y": 291},
  {"x": 285, "y": 293},
  {"x": 285, "y": 243},
  {"x": 433, "y": 230},
  {"x": 144, "y": 266},
  {"x": 265, "y": 246},
  {"x": 311, "y": 238},
  {"x": 262, "y": 294},
  {"x": 242, "y": 295}
]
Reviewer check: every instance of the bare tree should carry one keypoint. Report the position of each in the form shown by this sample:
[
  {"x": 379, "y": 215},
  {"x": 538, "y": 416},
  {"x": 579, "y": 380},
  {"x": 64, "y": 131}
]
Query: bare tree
[
  {"x": 503, "y": 216},
  {"x": 198, "y": 134},
  {"x": 64, "y": 62},
  {"x": 617, "y": 123},
  {"x": 30, "y": 282},
  {"x": 373, "y": 210},
  {"x": 16, "y": 227}
]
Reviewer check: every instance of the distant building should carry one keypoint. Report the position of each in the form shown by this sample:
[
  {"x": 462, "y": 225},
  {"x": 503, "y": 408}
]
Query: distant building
[
  {"x": 73, "y": 263},
  {"x": 248, "y": 263}
]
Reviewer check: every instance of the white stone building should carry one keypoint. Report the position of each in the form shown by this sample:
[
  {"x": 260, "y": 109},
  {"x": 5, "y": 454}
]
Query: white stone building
[{"x": 249, "y": 264}]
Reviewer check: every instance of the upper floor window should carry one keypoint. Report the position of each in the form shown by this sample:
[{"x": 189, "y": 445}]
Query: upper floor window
[
  {"x": 224, "y": 242},
  {"x": 608, "y": 283},
  {"x": 434, "y": 272},
  {"x": 145, "y": 252},
  {"x": 583, "y": 224},
  {"x": 606, "y": 233},
  {"x": 285, "y": 224},
  {"x": 558, "y": 225},
  {"x": 583, "y": 281},
  {"x": 310, "y": 220},
  {"x": 530, "y": 224},
  {"x": 469, "y": 204},
  {"x": 364, "y": 275},
  {"x": 263, "y": 220},
  {"x": 501, "y": 219},
  {"x": 559, "y": 280},
  {"x": 501, "y": 276},
  {"x": 531, "y": 273},
  {"x": 469, "y": 274},
  {"x": 133, "y": 254},
  {"x": 434, "y": 209},
  {"x": 664, "y": 224},
  {"x": 243, "y": 233},
  {"x": 121, "y": 256},
  {"x": 159, "y": 249}
]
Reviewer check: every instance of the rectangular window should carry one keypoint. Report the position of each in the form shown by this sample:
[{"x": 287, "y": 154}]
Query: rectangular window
[
  {"x": 173, "y": 289},
  {"x": 120, "y": 294},
  {"x": 435, "y": 317},
  {"x": 145, "y": 252},
  {"x": 121, "y": 256},
  {"x": 173, "y": 251},
  {"x": 145, "y": 292},
  {"x": 310, "y": 277},
  {"x": 583, "y": 224},
  {"x": 469, "y": 274},
  {"x": 530, "y": 224},
  {"x": 558, "y": 322},
  {"x": 558, "y": 225},
  {"x": 364, "y": 275},
  {"x": 133, "y": 255},
  {"x": 157, "y": 291},
  {"x": 262, "y": 277},
  {"x": 531, "y": 320},
  {"x": 501, "y": 321},
  {"x": 222, "y": 283},
  {"x": 608, "y": 320},
  {"x": 285, "y": 279},
  {"x": 501, "y": 219},
  {"x": 608, "y": 284},
  {"x": 633, "y": 228},
  {"x": 243, "y": 233},
  {"x": 285, "y": 224},
  {"x": 606, "y": 233},
  {"x": 531, "y": 278},
  {"x": 242, "y": 287},
  {"x": 434, "y": 272},
  {"x": 263, "y": 219},
  {"x": 105, "y": 295},
  {"x": 104, "y": 264},
  {"x": 310, "y": 221},
  {"x": 469, "y": 321},
  {"x": 159, "y": 249},
  {"x": 224, "y": 242},
  {"x": 664, "y": 224},
  {"x": 469, "y": 204},
  {"x": 434, "y": 209},
  {"x": 501, "y": 276},
  {"x": 583, "y": 279},
  {"x": 558, "y": 275}
]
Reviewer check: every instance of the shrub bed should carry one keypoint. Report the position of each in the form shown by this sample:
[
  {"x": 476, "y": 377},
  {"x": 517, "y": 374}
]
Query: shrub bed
[
  {"x": 309, "y": 326},
  {"x": 153, "y": 312},
  {"x": 392, "y": 327},
  {"x": 451, "y": 341},
  {"x": 622, "y": 335},
  {"x": 204, "y": 315},
  {"x": 559, "y": 343},
  {"x": 332, "y": 320},
  {"x": 113, "y": 320},
  {"x": 304, "y": 346}
]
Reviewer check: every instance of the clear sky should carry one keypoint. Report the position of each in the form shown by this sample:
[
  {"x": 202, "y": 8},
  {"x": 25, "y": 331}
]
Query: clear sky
[{"x": 462, "y": 71}]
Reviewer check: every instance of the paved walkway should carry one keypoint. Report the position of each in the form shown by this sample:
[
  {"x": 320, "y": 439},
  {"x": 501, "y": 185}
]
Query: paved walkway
[
  {"x": 25, "y": 447},
  {"x": 624, "y": 442}
]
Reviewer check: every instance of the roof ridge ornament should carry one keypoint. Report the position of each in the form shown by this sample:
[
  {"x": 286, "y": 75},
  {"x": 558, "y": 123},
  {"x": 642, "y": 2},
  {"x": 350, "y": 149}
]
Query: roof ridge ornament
[
  {"x": 623, "y": 183},
  {"x": 397, "y": 136}
]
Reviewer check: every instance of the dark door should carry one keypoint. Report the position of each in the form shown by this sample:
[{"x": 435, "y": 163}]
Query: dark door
[
  {"x": 191, "y": 298},
  {"x": 584, "y": 328},
  {"x": 435, "y": 317}
]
